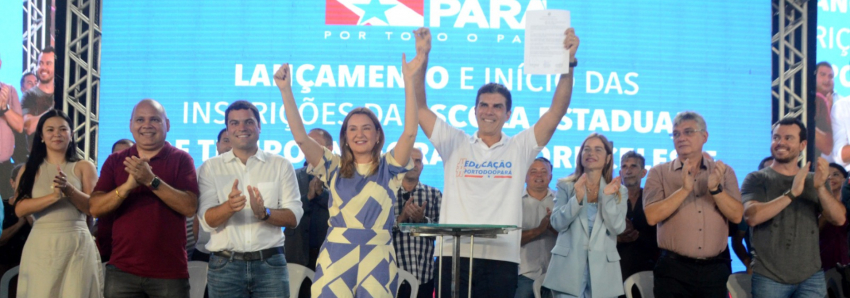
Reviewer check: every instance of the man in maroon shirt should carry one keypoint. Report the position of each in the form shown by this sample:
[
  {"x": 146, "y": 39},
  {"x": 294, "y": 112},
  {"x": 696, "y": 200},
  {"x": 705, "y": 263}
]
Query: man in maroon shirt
[{"x": 149, "y": 190}]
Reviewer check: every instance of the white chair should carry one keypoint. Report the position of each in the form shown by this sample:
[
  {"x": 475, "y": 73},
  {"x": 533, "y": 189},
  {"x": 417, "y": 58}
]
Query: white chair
[
  {"x": 538, "y": 285},
  {"x": 297, "y": 274},
  {"x": 197, "y": 278},
  {"x": 740, "y": 285},
  {"x": 644, "y": 282},
  {"x": 407, "y": 276},
  {"x": 833, "y": 281},
  {"x": 5, "y": 280}
]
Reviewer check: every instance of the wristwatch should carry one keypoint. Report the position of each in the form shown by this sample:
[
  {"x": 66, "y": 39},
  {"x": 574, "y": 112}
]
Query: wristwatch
[
  {"x": 717, "y": 191},
  {"x": 3, "y": 111},
  {"x": 155, "y": 183},
  {"x": 790, "y": 195},
  {"x": 267, "y": 215},
  {"x": 574, "y": 63}
]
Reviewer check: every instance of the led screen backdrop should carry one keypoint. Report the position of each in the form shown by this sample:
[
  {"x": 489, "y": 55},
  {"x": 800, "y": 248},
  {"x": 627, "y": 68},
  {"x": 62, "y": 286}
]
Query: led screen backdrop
[
  {"x": 833, "y": 41},
  {"x": 639, "y": 64}
]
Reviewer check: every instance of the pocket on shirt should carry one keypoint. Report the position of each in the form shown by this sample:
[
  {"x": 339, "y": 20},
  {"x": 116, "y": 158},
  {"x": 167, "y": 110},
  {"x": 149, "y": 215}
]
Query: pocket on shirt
[
  {"x": 561, "y": 250},
  {"x": 271, "y": 194},
  {"x": 613, "y": 255}
]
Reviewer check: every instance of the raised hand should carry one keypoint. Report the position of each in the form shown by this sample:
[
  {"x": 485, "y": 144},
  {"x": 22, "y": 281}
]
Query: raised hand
[
  {"x": 423, "y": 40},
  {"x": 409, "y": 69},
  {"x": 821, "y": 172},
  {"x": 581, "y": 187},
  {"x": 282, "y": 77},
  {"x": 258, "y": 206},
  {"x": 800, "y": 180},
  {"x": 571, "y": 43},
  {"x": 687, "y": 175},
  {"x": 235, "y": 200},
  {"x": 613, "y": 187}
]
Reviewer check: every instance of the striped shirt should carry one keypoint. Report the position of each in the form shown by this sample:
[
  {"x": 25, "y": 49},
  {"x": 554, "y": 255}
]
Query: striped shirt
[{"x": 416, "y": 254}]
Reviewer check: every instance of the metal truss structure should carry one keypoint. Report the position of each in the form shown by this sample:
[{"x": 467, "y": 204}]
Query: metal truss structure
[
  {"x": 36, "y": 37},
  {"x": 790, "y": 55},
  {"x": 81, "y": 98}
]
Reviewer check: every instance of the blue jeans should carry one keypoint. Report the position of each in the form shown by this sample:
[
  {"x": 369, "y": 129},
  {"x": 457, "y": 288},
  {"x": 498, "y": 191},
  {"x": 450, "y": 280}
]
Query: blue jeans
[
  {"x": 524, "y": 287},
  {"x": 228, "y": 278},
  {"x": 814, "y": 286},
  {"x": 120, "y": 284}
]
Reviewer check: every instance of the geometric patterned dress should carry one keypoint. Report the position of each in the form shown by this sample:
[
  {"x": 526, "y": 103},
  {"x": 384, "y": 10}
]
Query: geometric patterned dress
[{"x": 357, "y": 258}]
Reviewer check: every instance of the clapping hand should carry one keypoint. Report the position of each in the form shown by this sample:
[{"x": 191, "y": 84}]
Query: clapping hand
[
  {"x": 235, "y": 200},
  {"x": 821, "y": 172},
  {"x": 688, "y": 175},
  {"x": 613, "y": 187},
  {"x": 139, "y": 169},
  {"x": 258, "y": 206},
  {"x": 800, "y": 180},
  {"x": 413, "y": 212},
  {"x": 315, "y": 188},
  {"x": 716, "y": 176},
  {"x": 60, "y": 181},
  {"x": 581, "y": 187},
  {"x": 4, "y": 96}
]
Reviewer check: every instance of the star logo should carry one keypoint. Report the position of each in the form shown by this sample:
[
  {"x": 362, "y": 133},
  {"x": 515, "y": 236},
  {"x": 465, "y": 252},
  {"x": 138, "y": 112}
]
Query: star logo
[
  {"x": 393, "y": 13},
  {"x": 374, "y": 9}
]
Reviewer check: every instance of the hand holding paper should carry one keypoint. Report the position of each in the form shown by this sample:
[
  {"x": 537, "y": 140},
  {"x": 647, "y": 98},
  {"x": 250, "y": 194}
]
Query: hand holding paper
[{"x": 550, "y": 42}]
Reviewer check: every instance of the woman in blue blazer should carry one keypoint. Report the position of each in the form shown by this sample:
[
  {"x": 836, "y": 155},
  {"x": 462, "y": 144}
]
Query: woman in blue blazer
[{"x": 589, "y": 213}]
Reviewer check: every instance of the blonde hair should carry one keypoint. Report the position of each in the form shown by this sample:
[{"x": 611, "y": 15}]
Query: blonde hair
[
  {"x": 607, "y": 170},
  {"x": 347, "y": 164}
]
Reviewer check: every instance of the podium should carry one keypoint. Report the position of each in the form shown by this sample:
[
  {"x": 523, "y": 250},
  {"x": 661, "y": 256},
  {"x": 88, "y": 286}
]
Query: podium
[{"x": 456, "y": 231}]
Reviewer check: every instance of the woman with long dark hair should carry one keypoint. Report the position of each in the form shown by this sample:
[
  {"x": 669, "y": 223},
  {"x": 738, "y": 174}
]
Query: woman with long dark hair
[
  {"x": 357, "y": 256},
  {"x": 60, "y": 258},
  {"x": 834, "y": 248},
  {"x": 589, "y": 213}
]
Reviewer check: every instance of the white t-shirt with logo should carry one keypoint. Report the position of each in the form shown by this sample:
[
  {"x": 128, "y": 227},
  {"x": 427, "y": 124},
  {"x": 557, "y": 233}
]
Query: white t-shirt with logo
[{"x": 484, "y": 185}]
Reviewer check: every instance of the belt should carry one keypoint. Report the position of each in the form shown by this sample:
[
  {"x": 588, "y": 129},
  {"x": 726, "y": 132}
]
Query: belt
[
  {"x": 249, "y": 256},
  {"x": 720, "y": 258}
]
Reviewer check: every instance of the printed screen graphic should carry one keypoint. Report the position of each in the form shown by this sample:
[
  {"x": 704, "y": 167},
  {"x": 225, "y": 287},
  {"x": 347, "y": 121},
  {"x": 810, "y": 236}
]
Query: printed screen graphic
[{"x": 638, "y": 66}]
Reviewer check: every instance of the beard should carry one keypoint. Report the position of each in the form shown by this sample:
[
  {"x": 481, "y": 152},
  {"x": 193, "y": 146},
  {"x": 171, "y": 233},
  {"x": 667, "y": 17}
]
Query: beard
[{"x": 784, "y": 160}]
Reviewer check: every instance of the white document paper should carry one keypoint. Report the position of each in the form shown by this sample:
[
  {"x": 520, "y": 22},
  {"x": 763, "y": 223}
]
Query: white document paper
[{"x": 544, "y": 42}]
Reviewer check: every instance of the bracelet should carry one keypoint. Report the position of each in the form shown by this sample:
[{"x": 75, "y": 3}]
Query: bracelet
[{"x": 119, "y": 195}]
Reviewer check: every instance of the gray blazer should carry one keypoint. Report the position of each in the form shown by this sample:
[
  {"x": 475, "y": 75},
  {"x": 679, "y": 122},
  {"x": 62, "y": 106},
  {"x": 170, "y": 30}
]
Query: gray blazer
[{"x": 576, "y": 248}]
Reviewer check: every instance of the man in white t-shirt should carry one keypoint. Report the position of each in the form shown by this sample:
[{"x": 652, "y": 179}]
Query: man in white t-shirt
[{"x": 485, "y": 175}]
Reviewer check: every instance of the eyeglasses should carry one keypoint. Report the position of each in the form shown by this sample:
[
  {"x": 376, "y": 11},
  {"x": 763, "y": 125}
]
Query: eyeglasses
[{"x": 688, "y": 133}]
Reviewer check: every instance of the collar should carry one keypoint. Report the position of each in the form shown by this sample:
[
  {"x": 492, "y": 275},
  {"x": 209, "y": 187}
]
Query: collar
[
  {"x": 549, "y": 193},
  {"x": 502, "y": 140},
  {"x": 677, "y": 164},
  {"x": 166, "y": 150},
  {"x": 229, "y": 156},
  {"x": 418, "y": 186}
]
